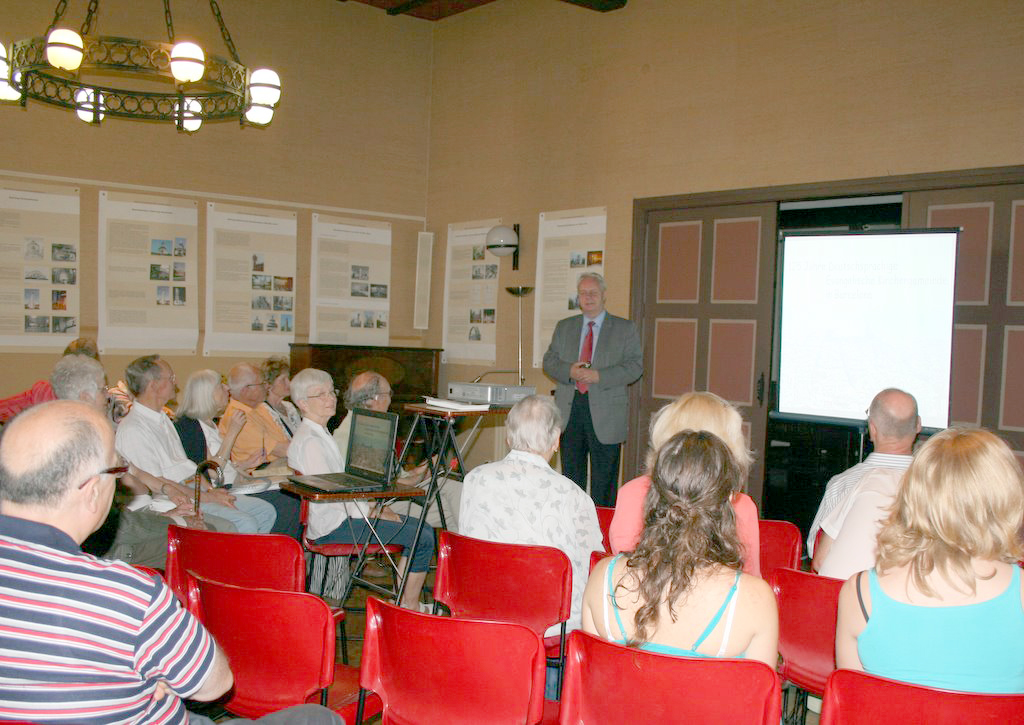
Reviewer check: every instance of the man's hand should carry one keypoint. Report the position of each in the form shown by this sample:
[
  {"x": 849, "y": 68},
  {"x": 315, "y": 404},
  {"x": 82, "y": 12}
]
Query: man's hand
[
  {"x": 583, "y": 373},
  {"x": 162, "y": 690}
]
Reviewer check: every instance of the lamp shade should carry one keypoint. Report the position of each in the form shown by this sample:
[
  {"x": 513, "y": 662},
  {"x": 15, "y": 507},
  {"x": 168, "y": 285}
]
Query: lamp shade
[
  {"x": 502, "y": 241},
  {"x": 7, "y": 92},
  {"x": 259, "y": 114},
  {"x": 64, "y": 49},
  {"x": 190, "y": 112},
  {"x": 265, "y": 87},
  {"x": 188, "y": 63},
  {"x": 86, "y": 100}
]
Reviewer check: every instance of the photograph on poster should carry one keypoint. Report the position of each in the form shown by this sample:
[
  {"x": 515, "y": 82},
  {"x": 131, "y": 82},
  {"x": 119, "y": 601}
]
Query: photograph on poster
[
  {"x": 163, "y": 295},
  {"x": 360, "y": 272},
  {"x": 180, "y": 246},
  {"x": 478, "y": 252},
  {"x": 63, "y": 253},
  {"x": 257, "y": 263},
  {"x": 595, "y": 258},
  {"x": 379, "y": 290},
  {"x": 578, "y": 259},
  {"x": 283, "y": 284},
  {"x": 160, "y": 247},
  {"x": 59, "y": 299},
  {"x": 179, "y": 271},
  {"x": 64, "y": 324},
  {"x": 179, "y": 296},
  {"x": 283, "y": 302},
  {"x": 360, "y": 289},
  {"x": 272, "y": 323},
  {"x": 574, "y": 303},
  {"x": 31, "y": 299},
  {"x": 37, "y": 323},
  {"x": 474, "y": 333},
  {"x": 65, "y": 275},
  {"x": 286, "y": 323},
  {"x": 261, "y": 302},
  {"x": 491, "y": 271},
  {"x": 476, "y": 315},
  {"x": 257, "y": 324},
  {"x": 161, "y": 272},
  {"x": 479, "y": 271},
  {"x": 262, "y": 281},
  {"x": 356, "y": 320},
  {"x": 488, "y": 316},
  {"x": 36, "y": 273},
  {"x": 33, "y": 248}
]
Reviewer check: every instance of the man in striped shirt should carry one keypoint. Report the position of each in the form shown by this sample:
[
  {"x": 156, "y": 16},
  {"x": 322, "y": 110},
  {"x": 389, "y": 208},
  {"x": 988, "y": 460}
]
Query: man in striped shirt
[{"x": 85, "y": 640}]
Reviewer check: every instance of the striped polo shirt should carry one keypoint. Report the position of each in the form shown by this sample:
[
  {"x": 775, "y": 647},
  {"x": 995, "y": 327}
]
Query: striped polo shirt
[{"x": 85, "y": 640}]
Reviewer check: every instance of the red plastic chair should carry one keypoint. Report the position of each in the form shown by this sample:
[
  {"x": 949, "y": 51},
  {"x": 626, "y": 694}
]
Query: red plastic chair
[
  {"x": 269, "y": 561},
  {"x": 853, "y": 698},
  {"x": 605, "y": 514},
  {"x": 281, "y": 648},
  {"x": 807, "y": 632},
  {"x": 610, "y": 683},
  {"x": 780, "y": 545},
  {"x": 529, "y": 585},
  {"x": 429, "y": 669}
]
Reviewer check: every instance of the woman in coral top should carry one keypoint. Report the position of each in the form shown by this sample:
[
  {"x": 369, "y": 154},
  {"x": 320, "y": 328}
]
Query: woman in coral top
[{"x": 692, "y": 411}]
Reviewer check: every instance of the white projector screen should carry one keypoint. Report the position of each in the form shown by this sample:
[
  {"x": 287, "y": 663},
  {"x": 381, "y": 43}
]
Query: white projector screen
[{"x": 864, "y": 311}]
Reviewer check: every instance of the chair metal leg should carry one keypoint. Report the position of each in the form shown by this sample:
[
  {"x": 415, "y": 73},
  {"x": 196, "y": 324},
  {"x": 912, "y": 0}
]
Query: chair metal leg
[
  {"x": 344, "y": 642},
  {"x": 360, "y": 706}
]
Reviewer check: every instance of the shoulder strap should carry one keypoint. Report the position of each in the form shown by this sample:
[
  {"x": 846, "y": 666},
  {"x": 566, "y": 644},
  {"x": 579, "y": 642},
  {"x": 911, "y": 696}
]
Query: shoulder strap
[
  {"x": 728, "y": 618},
  {"x": 718, "y": 615},
  {"x": 610, "y": 599},
  {"x": 860, "y": 597}
]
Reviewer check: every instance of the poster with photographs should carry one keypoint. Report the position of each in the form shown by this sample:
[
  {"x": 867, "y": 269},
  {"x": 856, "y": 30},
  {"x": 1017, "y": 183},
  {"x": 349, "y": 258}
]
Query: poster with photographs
[
  {"x": 250, "y": 280},
  {"x": 350, "y": 285},
  {"x": 569, "y": 243},
  {"x": 40, "y": 255},
  {"x": 148, "y": 273},
  {"x": 470, "y": 295}
]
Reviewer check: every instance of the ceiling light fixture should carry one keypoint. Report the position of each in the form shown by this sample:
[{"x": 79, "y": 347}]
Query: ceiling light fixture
[{"x": 54, "y": 68}]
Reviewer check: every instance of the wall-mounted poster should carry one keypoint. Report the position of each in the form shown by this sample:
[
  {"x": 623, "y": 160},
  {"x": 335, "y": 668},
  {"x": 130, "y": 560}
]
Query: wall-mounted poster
[
  {"x": 569, "y": 243},
  {"x": 148, "y": 273},
  {"x": 40, "y": 297},
  {"x": 350, "y": 283},
  {"x": 470, "y": 295},
  {"x": 250, "y": 280}
]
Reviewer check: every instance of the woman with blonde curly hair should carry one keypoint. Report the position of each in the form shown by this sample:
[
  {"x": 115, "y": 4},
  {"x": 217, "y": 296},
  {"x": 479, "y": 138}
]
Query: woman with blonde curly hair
[
  {"x": 692, "y": 411},
  {"x": 944, "y": 605},
  {"x": 682, "y": 590}
]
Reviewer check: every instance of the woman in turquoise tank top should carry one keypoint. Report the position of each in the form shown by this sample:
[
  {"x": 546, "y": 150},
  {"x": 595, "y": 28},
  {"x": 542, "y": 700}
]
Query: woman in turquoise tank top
[
  {"x": 682, "y": 590},
  {"x": 944, "y": 605}
]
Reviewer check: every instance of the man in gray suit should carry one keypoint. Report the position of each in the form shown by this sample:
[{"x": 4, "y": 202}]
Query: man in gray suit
[{"x": 593, "y": 357}]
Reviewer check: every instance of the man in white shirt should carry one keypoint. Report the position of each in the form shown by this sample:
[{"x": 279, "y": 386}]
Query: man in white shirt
[
  {"x": 856, "y": 500},
  {"x": 147, "y": 438},
  {"x": 522, "y": 500}
]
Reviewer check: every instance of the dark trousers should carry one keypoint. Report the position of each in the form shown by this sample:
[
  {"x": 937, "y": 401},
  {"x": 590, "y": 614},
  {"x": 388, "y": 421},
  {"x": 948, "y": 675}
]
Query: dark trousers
[
  {"x": 288, "y": 508},
  {"x": 580, "y": 442}
]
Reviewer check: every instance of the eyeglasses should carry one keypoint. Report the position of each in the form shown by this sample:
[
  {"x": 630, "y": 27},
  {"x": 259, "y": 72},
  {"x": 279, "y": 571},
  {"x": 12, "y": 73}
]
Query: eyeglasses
[
  {"x": 334, "y": 392},
  {"x": 589, "y": 293},
  {"x": 115, "y": 471},
  {"x": 255, "y": 385}
]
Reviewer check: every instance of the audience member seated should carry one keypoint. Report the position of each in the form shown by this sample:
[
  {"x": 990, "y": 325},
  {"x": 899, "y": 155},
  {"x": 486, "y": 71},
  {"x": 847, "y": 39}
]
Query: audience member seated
[
  {"x": 147, "y": 438},
  {"x": 893, "y": 425},
  {"x": 372, "y": 391},
  {"x": 692, "y": 411},
  {"x": 521, "y": 500},
  {"x": 943, "y": 605},
  {"x": 82, "y": 639},
  {"x": 41, "y": 390},
  {"x": 277, "y": 376},
  {"x": 682, "y": 591},
  {"x": 205, "y": 397},
  {"x": 314, "y": 451},
  {"x": 262, "y": 438}
]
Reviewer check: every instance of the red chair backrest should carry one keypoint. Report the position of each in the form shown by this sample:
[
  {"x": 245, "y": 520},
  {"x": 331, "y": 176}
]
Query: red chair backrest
[
  {"x": 605, "y": 514},
  {"x": 780, "y": 545},
  {"x": 430, "y": 669},
  {"x": 852, "y": 698},
  {"x": 610, "y": 683},
  {"x": 807, "y": 626},
  {"x": 530, "y": 585},
  {"x": 271, "y": 561},
  {"x": 280, "y": 644}
]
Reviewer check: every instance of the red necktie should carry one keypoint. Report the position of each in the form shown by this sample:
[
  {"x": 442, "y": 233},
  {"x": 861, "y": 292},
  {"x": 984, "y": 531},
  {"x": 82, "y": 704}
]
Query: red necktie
[{"x": 586, "y": 353}]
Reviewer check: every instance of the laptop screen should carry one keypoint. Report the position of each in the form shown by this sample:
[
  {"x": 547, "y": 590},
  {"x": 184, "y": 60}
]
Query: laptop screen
[{"x": 371, "y": 445}]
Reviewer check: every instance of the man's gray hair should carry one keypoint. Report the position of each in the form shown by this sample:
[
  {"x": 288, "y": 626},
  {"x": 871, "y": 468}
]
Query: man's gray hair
[
  {"x": 886, "y": 422},
  {"x": 141, "y": 372},
  {"x": 306, "y": 380},
  {"x": 594, "y": 276},
  {"x": 69, "y": 463},
  {"x": 359, "y": 397},
  {"x": 533, "y": 424},
  {"x": 74, "y": 375}
]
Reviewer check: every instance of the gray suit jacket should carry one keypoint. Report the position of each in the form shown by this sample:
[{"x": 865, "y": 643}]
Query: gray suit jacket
[{"x": 618, "y": 357}]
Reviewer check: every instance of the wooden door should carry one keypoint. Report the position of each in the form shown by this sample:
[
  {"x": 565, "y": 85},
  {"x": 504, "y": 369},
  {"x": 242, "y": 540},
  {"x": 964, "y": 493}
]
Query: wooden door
[{"x": 703, "y": 298}]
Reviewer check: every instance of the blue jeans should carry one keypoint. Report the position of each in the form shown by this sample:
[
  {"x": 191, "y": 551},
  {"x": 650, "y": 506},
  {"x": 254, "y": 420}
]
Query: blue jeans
[
  {"x": 353, "y": 530},
  {"x": 250, "y": 515}
]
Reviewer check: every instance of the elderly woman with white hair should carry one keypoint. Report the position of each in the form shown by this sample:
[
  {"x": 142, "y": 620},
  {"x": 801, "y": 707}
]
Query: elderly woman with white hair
[
  {"x": 313, "y": 451},
  {"x": 522, "y": 500}
]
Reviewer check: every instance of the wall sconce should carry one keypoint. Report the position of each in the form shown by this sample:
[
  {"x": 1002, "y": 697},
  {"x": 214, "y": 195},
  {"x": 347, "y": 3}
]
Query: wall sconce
[{"x": 503, "y": 241}]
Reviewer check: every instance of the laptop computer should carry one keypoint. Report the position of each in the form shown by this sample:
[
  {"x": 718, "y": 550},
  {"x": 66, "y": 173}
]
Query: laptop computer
[{"x": 370, "y": 459}]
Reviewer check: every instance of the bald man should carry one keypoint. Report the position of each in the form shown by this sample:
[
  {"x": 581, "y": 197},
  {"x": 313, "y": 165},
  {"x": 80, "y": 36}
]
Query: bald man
[
  {"x": 87, "y": 640},
  {"x": 262, "y": 432},
  {"x": 856, "y": 500}
]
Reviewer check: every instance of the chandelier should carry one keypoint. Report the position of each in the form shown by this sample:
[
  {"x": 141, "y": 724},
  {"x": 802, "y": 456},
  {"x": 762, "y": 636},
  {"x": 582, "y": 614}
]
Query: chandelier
[{"x": 58, "y": 68}]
